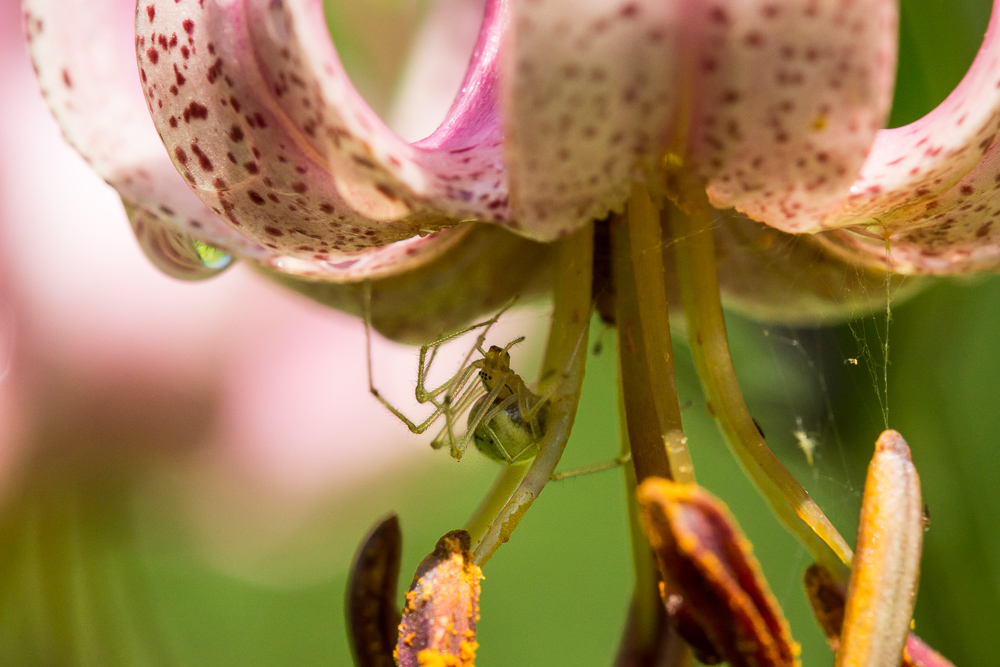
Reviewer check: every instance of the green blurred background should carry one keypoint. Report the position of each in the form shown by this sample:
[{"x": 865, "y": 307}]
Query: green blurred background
[{"x": 94, "y": 572}]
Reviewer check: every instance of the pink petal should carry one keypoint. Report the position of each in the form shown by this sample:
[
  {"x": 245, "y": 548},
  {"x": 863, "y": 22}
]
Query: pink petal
[
  {"x": 83, "y": 54},
  {"x": 773, "y": 104},
  {"x": 590, "y": 94},
  {"x": 789, "y": 96},
  {"x": 915, "y": 163},
  {"x": 933, "y": 186},
  {"x": 435, "y": 67},
  {"x": 260, "y": 118}
]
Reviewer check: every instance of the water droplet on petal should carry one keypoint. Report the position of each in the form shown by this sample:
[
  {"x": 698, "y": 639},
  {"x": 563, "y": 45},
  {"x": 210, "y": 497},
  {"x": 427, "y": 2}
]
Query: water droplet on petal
[
  {"x": 212, "y": 257},
  {"x": 175, "y": 253}
]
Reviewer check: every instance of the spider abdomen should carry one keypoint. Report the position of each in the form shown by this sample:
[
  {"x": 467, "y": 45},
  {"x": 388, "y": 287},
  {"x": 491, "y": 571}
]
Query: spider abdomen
[{"x": 506, "y": 437}]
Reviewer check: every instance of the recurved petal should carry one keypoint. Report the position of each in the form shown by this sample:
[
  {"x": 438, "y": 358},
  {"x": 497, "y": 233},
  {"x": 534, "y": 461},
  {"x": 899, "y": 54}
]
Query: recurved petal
[
  {"x": 258, "y": 115},
  {"x": 175, "y": 254},
  {"x": 788, "y": 99},
  {"x": 956, "y": 231},
  {"x": 590, "y": 90},
  {"x": 932, "y": 186},
  {"x": 481, "y": 272},
  {"x": 82, "y": 50},
  {"x": 914, "y": 164}
]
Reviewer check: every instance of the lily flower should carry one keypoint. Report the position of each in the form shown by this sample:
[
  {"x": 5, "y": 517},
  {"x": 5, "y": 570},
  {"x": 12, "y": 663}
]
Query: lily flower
[
  {"x": 272, "y": 155},
  {"x": 589, "y": 142}
]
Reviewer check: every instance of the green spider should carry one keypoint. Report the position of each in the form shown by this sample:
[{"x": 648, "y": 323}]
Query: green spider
[{"x": 506, "y": 419}]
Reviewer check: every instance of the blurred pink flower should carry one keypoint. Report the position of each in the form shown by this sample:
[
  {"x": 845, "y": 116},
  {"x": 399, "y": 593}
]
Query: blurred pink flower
[{"x": 97, "y": 349}]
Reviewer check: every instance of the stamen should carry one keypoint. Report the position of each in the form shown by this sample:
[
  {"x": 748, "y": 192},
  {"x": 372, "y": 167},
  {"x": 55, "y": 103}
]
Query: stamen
[{"x": 699, "y": 282}]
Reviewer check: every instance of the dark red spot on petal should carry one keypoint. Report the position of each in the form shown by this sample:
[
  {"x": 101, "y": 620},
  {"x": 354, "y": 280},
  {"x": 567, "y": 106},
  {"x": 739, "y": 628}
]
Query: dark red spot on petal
[
  {"x": 195, "y": 110},
  {"x": 203, "y": 160}
]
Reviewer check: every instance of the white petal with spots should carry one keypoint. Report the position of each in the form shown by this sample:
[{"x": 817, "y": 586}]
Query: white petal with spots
[
  {"x": 789, "y": 97},
  {"x": 260, "y": 118},
  {"x": 933, "y": 186},
  {"x": 589, "y": 99},
  {"x": 84, "y": 54}
]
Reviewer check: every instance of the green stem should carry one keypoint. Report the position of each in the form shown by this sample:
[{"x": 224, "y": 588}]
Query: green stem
[
  {"x": 699, "y": 283},
  {"x": 502, "y": 489},
  {"x": 648, "y": 404},
  {"x": 645, "y": 350},
  {"x": 564, "y": 363},
  {"x": 646, "y": 601}
]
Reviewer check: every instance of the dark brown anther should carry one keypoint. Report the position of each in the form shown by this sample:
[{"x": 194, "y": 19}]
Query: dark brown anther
[
  {"x": 442, "y": 607},
  {"x": 372, "y": 612},
  {"x": 828, "y": 600},
  {"x": 713, "y": 588},
  {"x": 688, "y": 628}
]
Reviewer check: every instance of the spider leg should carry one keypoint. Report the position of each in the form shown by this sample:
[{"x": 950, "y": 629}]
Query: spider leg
[
  {"x": 541, "y": 401},
  {"x": 447, "y": 433},
  {"x": 426, "y": 360},
  {"x": 610, "y": 464},
  {"x": 413, "y": 426},
  {"x": 479, "y": 418},
  {"x": 462, "y": 403}
]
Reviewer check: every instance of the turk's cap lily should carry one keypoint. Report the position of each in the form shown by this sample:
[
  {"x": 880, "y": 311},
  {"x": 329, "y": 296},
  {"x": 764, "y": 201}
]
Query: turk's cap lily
[{"x": 273, "y": 156}]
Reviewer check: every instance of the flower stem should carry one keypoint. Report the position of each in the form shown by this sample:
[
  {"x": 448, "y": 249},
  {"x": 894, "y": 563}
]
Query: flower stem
[
  {"x": 502, "y": 489},
  {"x": 699, "y": 282},
  {"x": 645, "y": 350},
  {"x": 646, "y": 598},
  {"x": 564, "y": 364},
  {"x": 648, "y": 405}
]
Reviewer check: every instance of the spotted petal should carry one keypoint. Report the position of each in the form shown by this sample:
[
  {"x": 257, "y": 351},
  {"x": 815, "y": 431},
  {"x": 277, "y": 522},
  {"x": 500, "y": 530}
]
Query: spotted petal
[
  {"x": 261, "y": 120},
  {"x": 81, "y": 54},
  {"x": 774, "y": 105},
  {"x": 788, "y": 99},
  {"x": 590, "y": 93},
  {"x": 83, "y": 51},
  {"x": 933, "y": 186}
]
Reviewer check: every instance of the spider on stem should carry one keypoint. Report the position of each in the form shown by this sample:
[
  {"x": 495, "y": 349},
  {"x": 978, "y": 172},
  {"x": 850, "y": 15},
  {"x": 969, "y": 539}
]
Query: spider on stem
[{"x": 506, "y": 419}]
